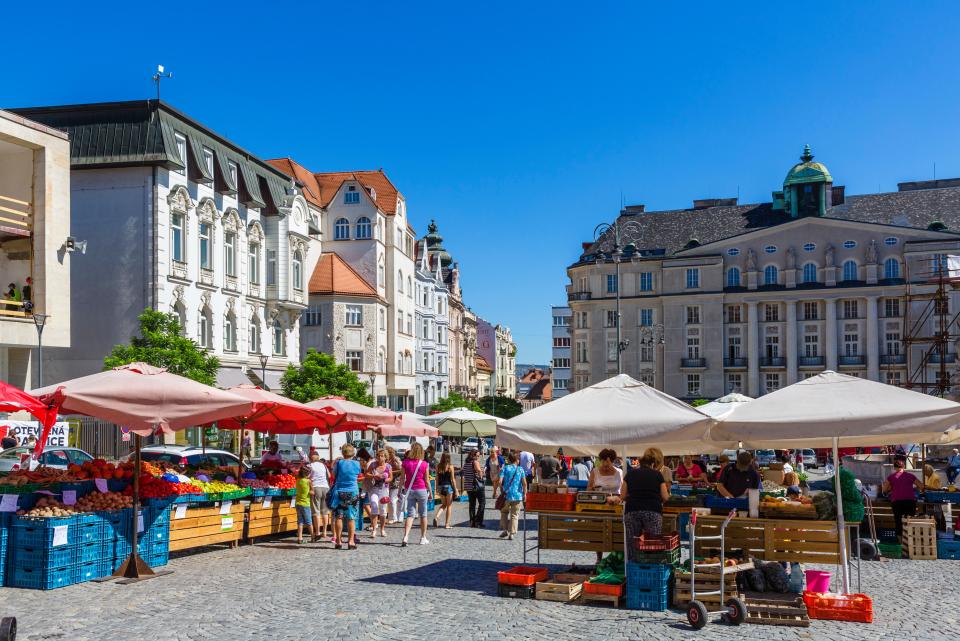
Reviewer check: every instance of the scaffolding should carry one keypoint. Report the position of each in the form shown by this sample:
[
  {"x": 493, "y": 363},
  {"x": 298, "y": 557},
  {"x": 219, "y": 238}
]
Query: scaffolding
[{"x": 929, "y": 328}]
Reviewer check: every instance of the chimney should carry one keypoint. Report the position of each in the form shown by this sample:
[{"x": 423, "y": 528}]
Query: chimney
[
  {"x": 633, "y": 210},
  {"x": 837, "y": 195},
  {"x": 704, "y": 203},
  {"x": 585, "y": 246}
]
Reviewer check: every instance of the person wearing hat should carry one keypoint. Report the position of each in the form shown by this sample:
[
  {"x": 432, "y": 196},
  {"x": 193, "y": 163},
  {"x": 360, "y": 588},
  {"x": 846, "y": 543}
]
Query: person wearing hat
[
  {"x": 736, "y": 479},
  {"x": 953, "y": 466}
]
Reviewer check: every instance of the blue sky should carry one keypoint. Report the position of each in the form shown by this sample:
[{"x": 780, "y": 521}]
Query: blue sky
[{"x": 518, "y": 126}]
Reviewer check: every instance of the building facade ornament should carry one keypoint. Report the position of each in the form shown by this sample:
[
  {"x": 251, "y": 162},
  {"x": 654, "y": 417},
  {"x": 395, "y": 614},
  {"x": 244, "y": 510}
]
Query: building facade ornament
[
  {"x": 872, "y": 252},
  {"x": 179, "y": 200},
  {"x": 828, "y": 255},
  {"x": 751, "y": 260},
  {"x": 207, "y": 211}
]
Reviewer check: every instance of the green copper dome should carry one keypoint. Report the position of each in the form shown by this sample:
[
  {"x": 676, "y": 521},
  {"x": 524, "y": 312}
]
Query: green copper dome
[
  {"x": 435, "y": 246},
  {"x": 807, "y": 171}
]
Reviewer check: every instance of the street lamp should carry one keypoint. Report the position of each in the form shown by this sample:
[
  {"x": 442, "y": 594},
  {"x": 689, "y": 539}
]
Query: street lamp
[
  {"x": 599, "y": 231},
  {"x": 40, "y": 320},
  {"x": 263, "y": 370},
  {"x": 651, "y": 335},
  {"x": 373, "y": 379}
]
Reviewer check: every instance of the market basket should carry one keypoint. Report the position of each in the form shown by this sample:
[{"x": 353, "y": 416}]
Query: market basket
[
  {"x": 667, "y": 557},
  {"x": 26, "y": 488},
  {"x": 546, "y": 502},
  {"x": 661, "y": 543},
  {"x": 522, "y": 575},
  {"x": 608, "y": 589},
  {"x": 857, "y": 608}
]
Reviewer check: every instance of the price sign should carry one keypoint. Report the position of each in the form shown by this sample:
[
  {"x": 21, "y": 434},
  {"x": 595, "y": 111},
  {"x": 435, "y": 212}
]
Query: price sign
[
  {"x": 101, "y": 485},
  {"x": 225, "y": 507},
  {"x": 267, "y": 502},
  {"x": 226, "y": 523},
  {"x": 140, "y": 527},
  {"x": 60, "y": 535},
  {"x": 293, "y": 501},
  {"x": 8, "y": 502},
  {"x": 69, "y": 497},
  {"x": 180, "y": 512}
]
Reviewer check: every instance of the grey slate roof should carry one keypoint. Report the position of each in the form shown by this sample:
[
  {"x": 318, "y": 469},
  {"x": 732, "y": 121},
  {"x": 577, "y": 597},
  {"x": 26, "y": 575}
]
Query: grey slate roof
[{"x": 666, "y": 233}]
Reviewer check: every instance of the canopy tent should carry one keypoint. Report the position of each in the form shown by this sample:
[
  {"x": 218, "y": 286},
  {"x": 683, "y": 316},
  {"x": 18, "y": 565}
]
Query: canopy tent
[
  {"x": 723, "y": 405},
  {"x": 410, "y": 425},
  {"x": 146, "y": 399},
  {"x": 13, "y": 399},
  {"x": 619, "y": 413},
  {"x": 828, "y": 408}
]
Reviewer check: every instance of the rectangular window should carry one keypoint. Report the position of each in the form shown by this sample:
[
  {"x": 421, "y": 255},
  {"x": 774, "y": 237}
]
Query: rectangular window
[
  {"x": 561, "y": 341},
  {"x": 205, "y": 261},
  {"x": 894, "y": 378},
  {"x": 851, "y": 344},
  {"x": 561, "y": 321},
  {"x": 271, "y": 267},
  {"x": 646, "y": 353},
  {"x": 353, "y": 315},
  {"x": 811, "y": 345},
  {"x": 181, "y": 143},
  {"x": 891, "y": 307},
  {"x": 232, "y": 168},
  {"x": 850, "y": 309},
  {"x": 410, "y": 324},
  {"x": 611, "y": 318},
  {"x": 772, "y": 347},
  {"x": 646, "y": 317},
  {"x": 311, "y": 316},
  {"x": 561, "y": 362},
  {"x": 355, "y": 361},
  {"x": 581, "y": 351},
  {"x": 230, "y": 253},
  {"x": 583, "y": 322},
  {"x": 734, "y": 383},
  {"x": 771, "y": 312},
  {"x": 693, "y": 278},
  {"x": 253, "y": 263},
  {"x": 811, "y": 311},
  {"x": 560, "y": 383},
  {"x": 208, "y": 160},
  {"x": 400, "y": 322},
  {"x": 646, "y": 281},
  {"x": 176, "y": 238},
  {"x": 611, "y": 351},
  {"x": 734, "y": 315},
  {"x": 611, "y": 283},
  {"x": 693, "y": 315},
  {"x": 383, "y": 323},
  {"x": 693, "y": 347},
  {"x": 733, "y": 347},
  {"x": 772, "y": 381},
  {"x": 893, "y": 343},
  {"x": 693, "y": 385},
  {"x": 351, "y": 196}
]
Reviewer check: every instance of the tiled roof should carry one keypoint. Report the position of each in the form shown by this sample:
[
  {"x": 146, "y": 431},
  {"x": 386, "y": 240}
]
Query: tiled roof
[
  {"x": 482, "y": 364},
  {"x": 333, "y": 275},
  {"x": 665, "y": 233},
  {"x": 542, "y": 390},
  {"x": 311, "y": 188},
  {"x": 532, "y": 376},
  {"x": 325, "y": 185}
]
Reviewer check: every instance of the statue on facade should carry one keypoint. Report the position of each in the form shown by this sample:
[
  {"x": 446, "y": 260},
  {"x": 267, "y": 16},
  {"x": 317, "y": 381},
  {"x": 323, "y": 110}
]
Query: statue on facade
[
  {"x": 751, "y": 260},
  {"x": 872, "y": 252},
  {"x": 791, "y": 258},
  {"x": 828, "y": 255}
]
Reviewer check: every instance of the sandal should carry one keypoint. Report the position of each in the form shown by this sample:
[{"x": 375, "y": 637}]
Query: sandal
[{"x": 338, "y": 546}]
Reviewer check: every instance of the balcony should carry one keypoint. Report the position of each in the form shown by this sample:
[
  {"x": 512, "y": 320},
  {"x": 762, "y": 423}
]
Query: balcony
[
  {"x": 735, "y": 362},
  {"x": 578, "y": 296},
  {"x": 810, "y": 361},
  {"x": 693, "y": 363},
  {"x": 893, "y": 359},
  {"x": 773, "y": 361},
  {"x": 947, "y": 358},
  {"x": 849, "y": 361}
]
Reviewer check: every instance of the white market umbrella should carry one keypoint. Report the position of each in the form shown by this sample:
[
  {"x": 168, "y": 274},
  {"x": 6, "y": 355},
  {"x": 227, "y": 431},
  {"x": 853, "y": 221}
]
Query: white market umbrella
[
  {"x": 463, "y": 422},
  {"x": 723, "y": 405},
  {"x": 828, "y": 408},
  {"x": 619, "y": 413}
]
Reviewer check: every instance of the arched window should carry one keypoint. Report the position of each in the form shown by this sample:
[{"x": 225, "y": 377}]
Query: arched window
[
  {"x": 810, "y": 273},
  {"x": 400, "y": 282},
  {"x": 297, "y": 270},
  {"x": 364, "y": 228},
  {"x": 770, "y": 275},
  {"x": 205, "y": 328},
  {"x": 733, "y": 277},
  {"x": 850, "y": 270},
  {"x": 181, "y": 313},
  {"x": 254, "y": 335},
  {"x": 341, "y": 229},
  {"x": 279, "y": 346},
  {"x": 891, "y": 268},
  {"x": 229, "y": 333},
  {"x": 381, "y": 361},
  {"x": 409, "y": 287}
]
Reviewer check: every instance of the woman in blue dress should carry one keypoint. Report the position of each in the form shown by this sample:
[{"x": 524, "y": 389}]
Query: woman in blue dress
[{"x": 345, "y": 497}]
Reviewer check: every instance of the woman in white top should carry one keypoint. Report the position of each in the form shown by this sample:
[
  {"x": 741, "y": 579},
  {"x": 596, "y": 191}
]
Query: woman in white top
[
  {"x": 320, "y": 479},
  {"x": 606, "y": 477}
]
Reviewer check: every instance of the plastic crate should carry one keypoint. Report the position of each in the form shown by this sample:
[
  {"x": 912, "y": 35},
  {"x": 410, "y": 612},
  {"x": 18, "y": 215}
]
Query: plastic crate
[
  {"x": 652, "y": 599},
  {"x": 721, "y": 503},
  {"x": 82, "y": 488},
  {"x": 887, "y": 534},
  {"x": 156, "y": 559},
  {"x": 522, "y": 575},
  {"x": 578, "y": 485},
  {"x": 662, "y": 543},
  {"x": 546, "y": 502},
  {"x": 611, "y": 589},
  {"x": 647, "y": 575},
  {"x": 857, "y": 608},
  {"x": 37, "y": 532},
  {"x": 680, "y": 490},
  {"x": 516, "y": 591},
  {"x": 947, "y": 549},
  {"x": 117, "y": 485},
  {"x": 272, "y": 491},
  {"x": 191, "y": 498},
  {"x": 683, "y": 520},
  {"x": 93, "y": 551},
  {"x": 44, "y": 556},
  {"x": 890, "y": 550},
  {"x": 942, "y": 497},
  {"x": 88, "y": 571},
  {"x": 42, "y": 578},
  {"x": 3, "y": 554},
  {"x": 669, "y": 557}
]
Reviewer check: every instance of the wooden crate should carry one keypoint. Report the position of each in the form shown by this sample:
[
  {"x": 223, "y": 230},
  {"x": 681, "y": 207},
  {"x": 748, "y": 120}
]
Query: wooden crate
[
  {"x": 605, "y": 508},
  {"x": 202, "y": 526},
  {"x": 705, "y": 583},
  {"x": 561, "y": 587},
  {"x": 276, "y": 519},
  {"x": 601, "y": 598},
  {"x": 583, "y": 531},
  {"x": 773, "y": 539},
  {"x": 768, "y": 608},
  {"x": 920, "y": 539},
  {"x": 788, "y": 511}
]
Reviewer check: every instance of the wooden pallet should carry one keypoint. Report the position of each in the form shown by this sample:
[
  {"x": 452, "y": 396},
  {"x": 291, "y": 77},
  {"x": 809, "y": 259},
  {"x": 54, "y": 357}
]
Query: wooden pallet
[
  {"x": 788, "y": 511},
  {"x": 276, "y": 519},
  {"x": 767, "y": 608},
  {"x": 705, "y": 583},
  {"x": 602, "y": 598},
  {"x": 584, "y": 532},
  {"x": 920, "y": 539},
  {"x": 561, "y": 587}
]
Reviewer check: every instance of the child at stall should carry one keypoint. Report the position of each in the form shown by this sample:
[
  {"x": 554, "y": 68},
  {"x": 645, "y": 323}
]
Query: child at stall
[{"x": 304, "y": 513}]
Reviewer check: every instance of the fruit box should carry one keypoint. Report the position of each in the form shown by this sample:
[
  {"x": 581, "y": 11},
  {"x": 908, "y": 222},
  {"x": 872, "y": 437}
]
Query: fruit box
[{"x": 522, "y": 575}]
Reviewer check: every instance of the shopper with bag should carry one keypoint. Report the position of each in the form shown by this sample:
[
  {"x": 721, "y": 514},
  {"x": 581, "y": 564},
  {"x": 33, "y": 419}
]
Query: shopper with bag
[
  {"x": 472, "y": 473},
  {"x": 447, "y": 486},
  {"x": 512, "y": 490},
  {"x": 416, "y": 486},
  {"x": 378, "y": 496},
  {"x": 344, "y": 497},
  {"x": 396, "y": 474}
]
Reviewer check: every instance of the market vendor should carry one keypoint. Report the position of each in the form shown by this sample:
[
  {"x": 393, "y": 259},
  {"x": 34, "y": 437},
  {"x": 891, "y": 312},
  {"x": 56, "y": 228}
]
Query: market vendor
[
  {"x": 272, "y": 453},
  {"x": 690, "y": 472},
  {"x": 930, "y": 479},
  {"x": 723, "y": 462},
  {"x": 606, "y": 477},
  {"x": 900, "y": 487},
  {"x": 736, "y": 479}
]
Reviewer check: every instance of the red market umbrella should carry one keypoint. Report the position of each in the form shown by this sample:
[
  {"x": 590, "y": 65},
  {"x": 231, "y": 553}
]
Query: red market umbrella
[
  {"x": 148, "y": 400},
  {"x": 354, "y": 415},
  {"x": 13, "y": 399},
  {"x": 410, "y": 425},
  {"x": 279, "y": 414}
]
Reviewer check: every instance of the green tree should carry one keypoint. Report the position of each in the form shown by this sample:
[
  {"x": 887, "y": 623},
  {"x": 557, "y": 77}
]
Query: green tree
[
  {"x": 320, "y": 375},
  {"x": 698, "y": 402},
  {"x": 501, "y": 406},
  {"x": 162, "y": 344},
  {"x": 453, "y": 401}
]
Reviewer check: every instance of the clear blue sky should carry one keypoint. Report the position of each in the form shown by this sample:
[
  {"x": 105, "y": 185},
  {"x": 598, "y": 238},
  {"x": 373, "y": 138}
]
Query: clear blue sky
[{"x": 518, "y": 125}]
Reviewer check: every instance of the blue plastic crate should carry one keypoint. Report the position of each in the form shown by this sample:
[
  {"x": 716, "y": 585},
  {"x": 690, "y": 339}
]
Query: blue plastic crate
[
  {"x": 648, "y": 575},
  {"x": 90, "y": 531},
  {"x": 156, "y": 559},
  {"x": 42, "y": 578},
  {"x": 44, "y": 556},
  {"x": 3, "y": 555},
  {"x": 721, "y": 503},
  {"x": 190, "y": 498},
  {"x": 82, "y": 488},
  {"x": 579, "y": 485},
  {"x": 117, "y": 485},
  {"x": 948, "y": 549},
  {"x": 680, "y": 490},
  {"x": 273, "y": 491},
  {"x": 93, "y": 551},
  {"x": 88, "y": 571},
  {"x": 683, "y": 520},
  {"x": 652, "y": 599},
  {"x": 37, "y": 532}
]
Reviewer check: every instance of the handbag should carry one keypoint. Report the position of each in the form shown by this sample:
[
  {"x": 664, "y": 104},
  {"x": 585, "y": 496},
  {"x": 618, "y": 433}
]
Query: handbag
[{"x": 502, "y": 499}]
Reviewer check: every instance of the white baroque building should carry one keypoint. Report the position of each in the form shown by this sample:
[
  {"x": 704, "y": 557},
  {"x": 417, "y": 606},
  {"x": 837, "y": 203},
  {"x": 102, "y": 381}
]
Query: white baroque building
[
  {"x": 181, "y": 220},
  {"x": 432, "y": 321}
]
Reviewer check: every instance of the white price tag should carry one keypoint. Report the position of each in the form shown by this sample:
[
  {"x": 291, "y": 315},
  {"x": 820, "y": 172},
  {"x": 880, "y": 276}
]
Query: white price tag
[
  {"x": 226, "y": 523},
  {"x": 60, "y": 535},
  {"x": 225, "y": 507},
  {"x": 140, "y": 527},
  {"x": 267, "y": 502},
  {"x": 101, "y": 485},
  {"x": 180, "y": 512},
  {"x": 8, "y": 502},
  {"x": 293, "y": 502},
  {"x": 69, "y": 497}
]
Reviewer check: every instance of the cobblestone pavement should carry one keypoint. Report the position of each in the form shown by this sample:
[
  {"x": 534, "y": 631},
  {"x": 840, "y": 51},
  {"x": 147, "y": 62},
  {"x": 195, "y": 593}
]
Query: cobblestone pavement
[{"x": 447, "y": 590}]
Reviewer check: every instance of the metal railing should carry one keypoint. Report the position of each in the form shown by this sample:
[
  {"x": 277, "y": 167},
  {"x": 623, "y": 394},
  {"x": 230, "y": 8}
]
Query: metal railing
[
  {"x": 773, "y": 361},
  {"x": 851, "y": 360},
  {"x": 737, "y": 361},
  {"x": 693, "y": 362},
  {"x": 810, "y": 361},
  {"x": 893, "y": 359}
]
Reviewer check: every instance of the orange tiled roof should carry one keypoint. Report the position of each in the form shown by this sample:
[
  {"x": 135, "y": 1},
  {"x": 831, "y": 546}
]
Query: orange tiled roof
[
  {"x": 532, "y": 376},
  {"x": 482, "y": 364},
  {"x": 542, "y": 390},
  {"x": 385, "y": 190},
  {"x": 311, "y": 188},
  {"x": 333, "y": 275}
]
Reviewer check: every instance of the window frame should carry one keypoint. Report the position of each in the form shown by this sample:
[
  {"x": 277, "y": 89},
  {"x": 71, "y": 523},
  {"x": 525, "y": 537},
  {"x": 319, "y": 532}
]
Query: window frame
[
  {"x": 341, "y": 229},
  {"x": 353, "y": 315}
]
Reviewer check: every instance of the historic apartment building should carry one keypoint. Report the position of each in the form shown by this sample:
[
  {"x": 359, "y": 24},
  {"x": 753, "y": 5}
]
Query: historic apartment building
[
  {"x": 505, "y": 369},
  {"x": 36, "y": 249},
  {"x": 560, "y": 371},
  {"x": 721, "y": 296},
  {"x": 432, "y": 321},
  {"x": 179, "y": 219}
]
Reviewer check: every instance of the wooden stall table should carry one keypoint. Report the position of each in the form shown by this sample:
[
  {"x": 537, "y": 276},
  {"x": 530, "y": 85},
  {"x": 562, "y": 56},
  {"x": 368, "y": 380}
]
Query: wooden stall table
[
  {"x": 270, "y": 515},
  {"x": 577, "y": 531},
  {"x": 197, "y": 525}
]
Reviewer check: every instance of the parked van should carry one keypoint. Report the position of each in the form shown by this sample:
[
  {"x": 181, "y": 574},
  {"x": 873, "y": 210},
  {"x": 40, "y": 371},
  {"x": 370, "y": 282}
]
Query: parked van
[
  {"x": 402, "y": 443},
  {"x": 320, "y": 442}
]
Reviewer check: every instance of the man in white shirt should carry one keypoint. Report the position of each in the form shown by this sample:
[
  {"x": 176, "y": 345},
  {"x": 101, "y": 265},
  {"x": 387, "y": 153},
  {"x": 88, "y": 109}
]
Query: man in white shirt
[
  {"x": 320, "y": 479},
  {"x": 526, "y": 463}
]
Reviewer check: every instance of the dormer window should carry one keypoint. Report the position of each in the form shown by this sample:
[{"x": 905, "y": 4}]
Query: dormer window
[
  {"x": 351, "y": 196},
  {"x": 809, "y": 247},
  {"x": 770, "y": 249},
  {"x": 208, "y": 159},
  {"x": 181, "y": 142}
]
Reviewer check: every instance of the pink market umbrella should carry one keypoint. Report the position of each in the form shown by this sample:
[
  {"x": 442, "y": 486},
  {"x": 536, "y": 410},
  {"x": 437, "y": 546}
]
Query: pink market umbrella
[
  {"x": 354, "y": 415},
  {"x": 147, "y": 399},
  {"x": 409, "y": 425}
]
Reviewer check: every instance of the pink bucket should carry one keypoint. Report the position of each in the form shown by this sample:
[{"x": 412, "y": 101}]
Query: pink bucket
[{"x": 818, "y": 581}]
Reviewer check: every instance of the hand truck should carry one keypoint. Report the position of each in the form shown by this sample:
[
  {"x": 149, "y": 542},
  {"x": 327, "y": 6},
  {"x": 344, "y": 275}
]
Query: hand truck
[
  {"x": 8, "y": 629},
  {"x": 732, "y": 610}
]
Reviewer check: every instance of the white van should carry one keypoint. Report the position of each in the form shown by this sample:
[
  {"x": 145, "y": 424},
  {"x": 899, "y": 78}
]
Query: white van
[
  {"x": 321, "y": 442},
  {"x": 402, "y": 443}
]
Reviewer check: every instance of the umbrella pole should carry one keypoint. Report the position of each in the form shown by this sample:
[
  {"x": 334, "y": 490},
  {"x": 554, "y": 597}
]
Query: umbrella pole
[
  {"x": 461, "y": 446},
  {"x": 135, "y": 568},
  {"x": 841, "y": 523}
]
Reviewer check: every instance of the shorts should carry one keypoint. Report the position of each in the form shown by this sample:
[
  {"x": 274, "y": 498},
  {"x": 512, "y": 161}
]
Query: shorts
[
  {"x": 318, "y": 502},
  {"x": 304, "y": 515},
  {"x": 417, "y": 504},
  {"x": 374, "y": 501},
  {"x": 446, "y": 490}
]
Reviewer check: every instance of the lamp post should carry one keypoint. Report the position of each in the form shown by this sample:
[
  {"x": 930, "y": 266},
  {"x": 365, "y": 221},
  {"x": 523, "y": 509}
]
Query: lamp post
[
  {"x": 263, "y": 371},
  {"x": 40, "y": 320},
  {"x": 599, "y": 231},
  {"x": 373, "y": 379},
  {"x": 650, "y": 336}
]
